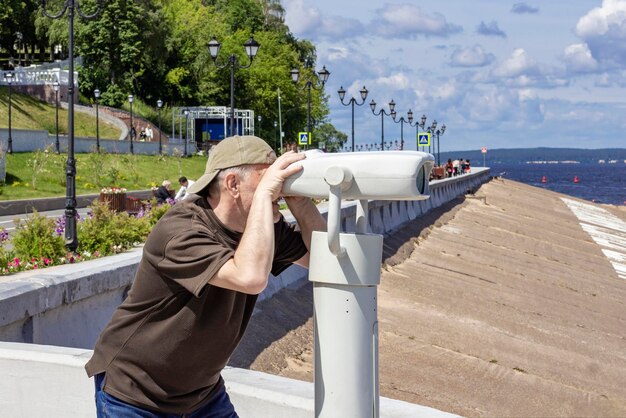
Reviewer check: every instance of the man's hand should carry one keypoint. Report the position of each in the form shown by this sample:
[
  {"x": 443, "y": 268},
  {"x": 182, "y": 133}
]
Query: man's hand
[{"x": 275, "y": 175}]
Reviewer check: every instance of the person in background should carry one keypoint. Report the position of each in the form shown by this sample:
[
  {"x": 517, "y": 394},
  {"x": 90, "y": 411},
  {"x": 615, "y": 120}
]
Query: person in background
[
  {"x": 467, "y": 166},
  {"x": 185, "y": 183},
  {"x": 449, "y": 168},
  {"x": 203, "y": 266},
  {"x": 163, "y": 192}
]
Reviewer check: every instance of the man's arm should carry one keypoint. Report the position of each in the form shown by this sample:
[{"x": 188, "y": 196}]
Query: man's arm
[
  {"x": 248, "y": 271},
  {"x": 181, "y": 192},
  {"x": 309, "y": 219}
]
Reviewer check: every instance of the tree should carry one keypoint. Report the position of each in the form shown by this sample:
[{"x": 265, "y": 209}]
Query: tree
[{"x": 332, "y": 138}]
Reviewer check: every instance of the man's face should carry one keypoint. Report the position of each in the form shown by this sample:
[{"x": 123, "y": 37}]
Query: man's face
[{"x": 248, "y": 187}]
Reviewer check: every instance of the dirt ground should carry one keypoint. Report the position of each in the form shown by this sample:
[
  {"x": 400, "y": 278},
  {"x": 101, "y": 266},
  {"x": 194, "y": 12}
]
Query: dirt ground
[{"x": 497, "y": 304}]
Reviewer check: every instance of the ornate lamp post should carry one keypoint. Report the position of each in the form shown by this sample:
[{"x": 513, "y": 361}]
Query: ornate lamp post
[
  {"x": 259, "y": 119},
  {"x": 186, "y": 113},
  {"x": 419, "y": 125},
  {"x": 252, "y": 47},
  {"x": 402, "y": 121},
  {"x": 56, "y": 87},
  {"x": 352, "y": 102},
  {"x": 96, "y": 94},
  {"x": 318, "y": 84},
  {"x": 131, "y": 99},
  {"x": 9, "y": 79},
  {"x": 439, "y": 132},
  {"x": 432, "y": 129},
  {"x": 382, "y": 113},
  {"x": 159, "y": 107},
  {"x": 69, "y": 6}
]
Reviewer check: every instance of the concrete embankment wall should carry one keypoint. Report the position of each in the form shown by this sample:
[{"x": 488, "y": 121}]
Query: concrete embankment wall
[{"x": 24, "y": 140}]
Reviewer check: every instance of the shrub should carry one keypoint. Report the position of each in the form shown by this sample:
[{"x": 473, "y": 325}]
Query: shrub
[
  {"x": 109, "y": 232},
  {"x": 36, "y": 237}
]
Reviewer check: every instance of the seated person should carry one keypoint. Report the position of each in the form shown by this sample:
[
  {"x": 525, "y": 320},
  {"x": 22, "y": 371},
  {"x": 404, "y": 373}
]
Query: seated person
[
  {"x": 184, "y": 185},
  {"x": 163, "y": 192}
]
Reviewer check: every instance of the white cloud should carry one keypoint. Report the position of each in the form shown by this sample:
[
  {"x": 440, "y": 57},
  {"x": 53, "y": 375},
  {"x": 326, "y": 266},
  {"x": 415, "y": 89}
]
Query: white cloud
[
  {"x": 397, "y": 81},
  {"x": 407, "y": 20},
  {"x": 578, "y": 59},
  {"x": 474, "y": 56},
  {"x": 490, "y": 29},
  {"x": 604, "y": 31},
  {"x": 518, "y": 64},
  {"x": 521, "y": 8},
  {"x": 309, "y": 22}
]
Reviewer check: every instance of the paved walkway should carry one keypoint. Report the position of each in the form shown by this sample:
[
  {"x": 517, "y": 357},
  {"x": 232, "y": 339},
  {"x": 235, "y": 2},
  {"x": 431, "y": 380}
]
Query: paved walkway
[{"x": 504, "y": 307}]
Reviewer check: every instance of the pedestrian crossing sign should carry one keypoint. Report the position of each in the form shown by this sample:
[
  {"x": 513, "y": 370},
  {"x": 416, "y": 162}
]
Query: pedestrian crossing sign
[
  {"x": 304, "y": 138},
  {"x": 423, "y": 139}
]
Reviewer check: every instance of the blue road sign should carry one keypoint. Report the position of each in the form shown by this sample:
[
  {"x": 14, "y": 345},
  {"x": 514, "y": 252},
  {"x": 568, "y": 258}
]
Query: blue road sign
[
  {"x": 423, "y": 139},
  {"x": 303, "y": 138}
]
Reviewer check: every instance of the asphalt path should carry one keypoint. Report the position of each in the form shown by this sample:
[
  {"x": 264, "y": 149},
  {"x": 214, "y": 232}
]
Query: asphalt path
[{"x": 8, "y": 221}]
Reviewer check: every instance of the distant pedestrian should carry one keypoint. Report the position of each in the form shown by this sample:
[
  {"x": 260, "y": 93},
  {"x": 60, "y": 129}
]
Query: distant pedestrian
[
  {"x": 449, "y": 168},
  {"x": 133, "y": 133},
  {"x": 462, "y": 165},
  {"x": 467, "y": 166},
  {"x": 455, "y": 166}
]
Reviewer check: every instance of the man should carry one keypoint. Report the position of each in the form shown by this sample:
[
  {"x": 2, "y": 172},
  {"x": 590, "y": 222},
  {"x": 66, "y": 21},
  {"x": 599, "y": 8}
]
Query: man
[
  {"x": 184, "y": 185},
  {"x": 196, "y": 285}
]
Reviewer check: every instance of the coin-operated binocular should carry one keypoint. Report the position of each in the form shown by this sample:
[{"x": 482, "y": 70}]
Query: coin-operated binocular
[
  {"x": 345, "y": 269},
  {"x": 390, "y": 175}
]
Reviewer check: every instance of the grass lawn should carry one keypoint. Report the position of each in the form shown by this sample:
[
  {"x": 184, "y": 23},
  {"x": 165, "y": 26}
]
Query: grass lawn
[
  {"x": 93, "y": 171},
  {"x": 30, "y": 113}
]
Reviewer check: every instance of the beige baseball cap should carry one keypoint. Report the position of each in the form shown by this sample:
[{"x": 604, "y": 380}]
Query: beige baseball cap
[{"x": 232, "y": 152}]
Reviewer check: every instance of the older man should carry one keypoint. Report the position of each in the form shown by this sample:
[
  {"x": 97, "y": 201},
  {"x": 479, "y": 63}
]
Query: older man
[{"x": 202, "y": 268}]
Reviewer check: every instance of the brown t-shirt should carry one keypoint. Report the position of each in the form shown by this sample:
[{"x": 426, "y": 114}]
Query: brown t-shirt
[{"x": 169, "y": 340}]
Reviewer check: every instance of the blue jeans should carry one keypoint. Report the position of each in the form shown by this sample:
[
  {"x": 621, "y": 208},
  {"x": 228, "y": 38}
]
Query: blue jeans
[{"x": 108, "y": 406}]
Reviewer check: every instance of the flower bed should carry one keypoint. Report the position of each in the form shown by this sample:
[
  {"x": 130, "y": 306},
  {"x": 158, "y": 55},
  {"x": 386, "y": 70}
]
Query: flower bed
[{"x": 38, "y": 241}]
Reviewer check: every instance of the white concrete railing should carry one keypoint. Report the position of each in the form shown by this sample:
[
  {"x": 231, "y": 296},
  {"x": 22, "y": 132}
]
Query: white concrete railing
[
  {"x": 34, "y": 77},
  {"x": 47, "y": 381}
]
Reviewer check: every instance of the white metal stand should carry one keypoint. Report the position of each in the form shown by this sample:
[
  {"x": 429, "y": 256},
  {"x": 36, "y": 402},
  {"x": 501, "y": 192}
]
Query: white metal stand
[{"x": 345, "y": 270}]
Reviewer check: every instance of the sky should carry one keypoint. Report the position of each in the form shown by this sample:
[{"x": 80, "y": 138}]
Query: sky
[{"x": 497, "y": 73}]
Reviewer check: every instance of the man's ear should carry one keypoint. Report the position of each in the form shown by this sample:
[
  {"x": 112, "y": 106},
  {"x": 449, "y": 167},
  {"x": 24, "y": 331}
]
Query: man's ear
[{"x": 231, "y": 184}]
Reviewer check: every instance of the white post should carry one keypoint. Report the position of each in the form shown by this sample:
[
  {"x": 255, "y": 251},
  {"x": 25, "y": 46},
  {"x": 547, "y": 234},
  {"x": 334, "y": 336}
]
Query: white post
[{"x": 345, "y": 270}]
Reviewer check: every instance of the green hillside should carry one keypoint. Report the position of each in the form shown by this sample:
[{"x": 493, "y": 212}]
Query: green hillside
[{"x": 30, "y": 113}]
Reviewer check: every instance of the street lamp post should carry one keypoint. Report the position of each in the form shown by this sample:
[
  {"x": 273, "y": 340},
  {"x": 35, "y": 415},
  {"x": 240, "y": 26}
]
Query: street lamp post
[
  {"x": 259, "y": 118},
  {"x": 419, "y": 125},
  {"x": 159, "y": 107},
  {"x": 382, "y": 113},
  {"x": 9, "y": 78},
  {"x": 56, "y": 87},
  {"x": 252, "y": 47},
  {"x": 352, "y": 102},
  {"x": 69, "y": 6},
  {"x": 439, "y": 132},
  {"x": 318, "y": 84},
  {"x": 96, "y": 94},
  {"x": 275, "y": 126},
  {"x": 402, "y": 121},
  {"x": 433, "y": 130},
  {"x": 131, "y": 99},
  {"x": 186, "y": 113}
]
